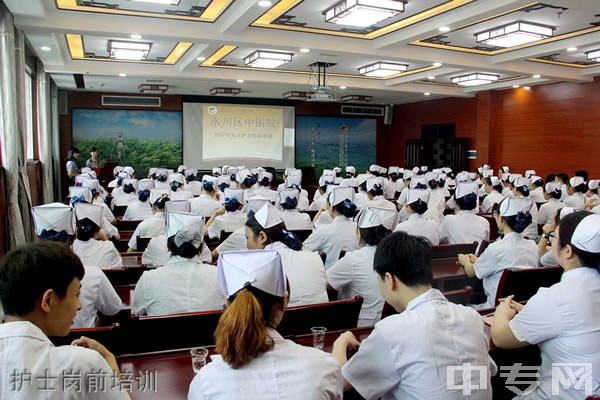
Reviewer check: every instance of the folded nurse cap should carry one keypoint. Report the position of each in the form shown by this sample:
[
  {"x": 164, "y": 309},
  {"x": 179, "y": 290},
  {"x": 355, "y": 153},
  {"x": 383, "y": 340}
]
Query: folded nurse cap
[
  {"x": 513, "y": 177},
  {"x": 494, "y": 180},
  {"x": 130, "y": 171},
  {"x": 181, "y": 168},
  {"x": 216, "y": 170},
  {"x": 117, "y": 170},
  {"x": 552, "y": 187},
  {"x": 190, "y": 171},
  {"x": 394, "y": 170},
  {"x": 293, "y": 180},
  {"x": 291, "y": 193},
  {"x": 93, "y": 184},
  {"x": 593, "y": 184},
  {"x": 176, "y": 178},
  {"x": 431, "y": 176},
  {"x": 566, "y": 211},
  {"x": 337, "y": 170},
  {"x": 210, "y": 178},
  {"x": 576, "y": 181},
  {"x": 408, "y": 174},
  {"x": 375, "y": 216},
  {"x": 264, "y": 174},
  {"x": 156, "y": 194},
  {"x": 351, "y": 169},
  {"x": 238, "y": 194},
  {"x": 337, "y": 194},
  {"x": 268, "y": 216},
  {"x": 513, "y": 205},
  {"x": 529, "y": 173},
  {"x": 487, "y": 172},
  {"x": 376, "y": 181},
  {"x": 242, "y": 175},
  {"x": 420, "y": 181},
  {"x": 362, "y": 178},
  {"x": 162, "y": 172},
  {"x": 93, "y": 212},
  {"x": 152, "y": 171},
  {"x": 80, "y": 192},
  {"x": 326, "y": 179},
  {"x": 374, "y": 168},
  {"x": 177, "y": 206},
  {"x": 256, "y": 202},
  {"x": 522, "y": 181},
  {"x": 54, "y": 216},
  {"x": 132, "y": 182},
  {"x": 463, "y": 177},
  {"x": 586, "y": 235},
  {"x": 261, "y": 269},
  {"x": 185, "y": 227},
  {"x": 535, "y": 178},
  {"x": 464, "y": 188},
  {"x": 145, "y": 184},
  {"x": 417, "y": 194}
]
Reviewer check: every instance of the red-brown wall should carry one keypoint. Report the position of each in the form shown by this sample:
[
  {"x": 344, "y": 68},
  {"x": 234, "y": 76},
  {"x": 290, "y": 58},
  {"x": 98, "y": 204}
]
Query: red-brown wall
[{"x": 551, "y": 128}]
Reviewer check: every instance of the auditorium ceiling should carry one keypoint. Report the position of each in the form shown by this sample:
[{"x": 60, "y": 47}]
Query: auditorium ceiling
[{"x": 388, "y": 51}]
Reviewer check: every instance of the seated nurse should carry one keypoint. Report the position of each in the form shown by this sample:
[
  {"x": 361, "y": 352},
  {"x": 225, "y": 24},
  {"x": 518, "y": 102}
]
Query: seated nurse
[
  {"x": 254, "y": 361},
  {"x": 564, "y": 319}
]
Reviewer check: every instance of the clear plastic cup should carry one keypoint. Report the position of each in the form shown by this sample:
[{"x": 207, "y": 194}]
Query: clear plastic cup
[
  {"x": 318, "y": 336},
  {"x": 199, "y": 355}
]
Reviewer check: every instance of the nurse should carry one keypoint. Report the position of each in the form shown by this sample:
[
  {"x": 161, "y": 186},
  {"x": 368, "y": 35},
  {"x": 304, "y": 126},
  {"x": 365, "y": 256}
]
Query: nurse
[
  {"x": 304, "y": 269},
  {"x": 176, "y": 184},
  {"x": 408, "y": 355},
  {"x": 465, "y": 226},
  {"x": 54, "y": 222},
  {"x": 564, "y": 319},
  {"x": 154, "y": 226},
  {"x": 127, "y": 195},
  {"x": 184, "y": 284},
  {"x": 512, "y": 251},
  {"x": 208, "y": 201},
  {"x": 92, "y": 245},
  {"x": 340, "y": 234},
  {"x": 417, "y": 225},
  {"x": 264, "y": 186},
  {"x": 39, "y": 290},
  {"x": 294, "y": 220},
  {"x": 231, "y": 217},
  {"x": 493, "y": 187},
  {"x": 521, "y": 189},
  {"x": 191, "y": 184},
  {"x": 254, "y": 360},
  {"x": 548, "y": 209},
  {"x": 576, "y": 190},
  {"x": 141, "y": 209},
  {"x": 353, "y": 274}
]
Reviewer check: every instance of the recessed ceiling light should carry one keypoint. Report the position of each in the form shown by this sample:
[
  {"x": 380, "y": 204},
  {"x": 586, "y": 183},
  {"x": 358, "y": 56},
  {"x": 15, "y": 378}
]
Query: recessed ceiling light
[
  {"x": 200, "y": 58},
  {"x": 437, "y": 64},
  {"x": 571, "y": 48},
  {"x": 526, "y": 88},
  {"x": 536, "y": 76},
  {"x": 136, "y": 36},
  {"x": 444, "y": 29},
  {"x": 240, "y": 81},
  {"x": 45, "y": 48},
  {"x": 431, "y": 78},
  {"x": 122, "y": 75},
  {"x": 304, "y": 50},
  {"x": 516, "y": 86},
  {"x": 264, "y": 3},
  {"x": 342, "y": 87},
  {"x": 427, "y": 94}
]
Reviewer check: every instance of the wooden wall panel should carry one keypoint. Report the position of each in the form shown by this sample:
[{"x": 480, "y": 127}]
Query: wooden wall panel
[{"x": 34, "y": 174}]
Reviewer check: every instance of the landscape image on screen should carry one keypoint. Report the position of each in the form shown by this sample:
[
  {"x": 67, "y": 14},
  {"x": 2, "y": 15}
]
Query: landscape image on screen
[
  {"x": 327, "y": 142},
  {"x": 141, "y": 139}
]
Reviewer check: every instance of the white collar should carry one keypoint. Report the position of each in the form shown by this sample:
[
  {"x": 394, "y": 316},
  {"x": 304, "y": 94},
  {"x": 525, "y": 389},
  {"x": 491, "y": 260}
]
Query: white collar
[
  {"x": 512, "y": 235},
  {"x": 276, "y": 246},
  {"x": 415, "y": 216},
  {"x": 430, "y": 295},
  {"x": 179, "y": 259},
  {"x": 23, "y": 328},
  {"x": 583, "y": 272}
]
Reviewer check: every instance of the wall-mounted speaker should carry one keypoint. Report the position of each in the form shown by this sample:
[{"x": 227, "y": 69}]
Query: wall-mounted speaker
[{"x": 388, "y": 116}]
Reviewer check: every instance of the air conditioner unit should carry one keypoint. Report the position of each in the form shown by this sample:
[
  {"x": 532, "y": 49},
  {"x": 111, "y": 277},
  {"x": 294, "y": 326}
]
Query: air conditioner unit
[
  {"x": 365, "y": 111},
  {"x": 133, "y": 101},
  {"x": 321, "y": 93}
]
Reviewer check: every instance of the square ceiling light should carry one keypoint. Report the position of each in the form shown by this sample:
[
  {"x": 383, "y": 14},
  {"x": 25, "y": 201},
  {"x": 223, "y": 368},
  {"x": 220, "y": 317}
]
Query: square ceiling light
[
  {"x": 135, "y": 51},
  {"x": 593, "y": 55},
  {"x": 363, "y": 13},
  {"x": 474, "y": 79},
  {"x": 296, "y": 95},
  {"x": 381, "y": 69},
  {"x": 514, "y": 34},
  {"x": 225, "y": 91},
  {"x": 153, "y": 89},
  {"x": 267, "y": 59},
  {"x": 356, "y": 98}
]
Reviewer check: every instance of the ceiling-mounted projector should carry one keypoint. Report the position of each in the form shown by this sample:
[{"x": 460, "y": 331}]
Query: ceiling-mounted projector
[{"x": 321, "y": 93}]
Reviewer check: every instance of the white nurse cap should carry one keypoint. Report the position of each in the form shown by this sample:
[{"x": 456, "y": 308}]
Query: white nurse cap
[
  {"x": 54, "y": 216},
  {"x": 145, "y": 184},
  {"x": 256, "y": 202},
  {"x": 464, "y": 188},
  {"x": 337, "y": 194},
  {"x": 156, "y": 194},
  {"x": 186, "y": 228},
  {"x": 77, "y": 192},
  {"x": 93, "y": 212},
  {"x": 513, "y": 205},
  {"x": 417, "y": 194},
  {"x": 586, "y": 235},
  {"x": 182, "y": 206},
  {"x": 576, "y": 181},
  {"x": 375, "y": 216},
  {"x": 268, "y": 216},
  {"x": 261, "y": 269}
]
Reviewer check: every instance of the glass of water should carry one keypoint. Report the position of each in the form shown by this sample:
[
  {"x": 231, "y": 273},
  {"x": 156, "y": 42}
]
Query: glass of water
[
  {"x": 318, "y": 336},
  {"x": 199, "y": 355}
]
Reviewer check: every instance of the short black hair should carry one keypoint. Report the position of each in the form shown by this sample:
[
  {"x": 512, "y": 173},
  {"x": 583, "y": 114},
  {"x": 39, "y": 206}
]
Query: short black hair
[
  {"x": 93, "y": 149},
  {"x": 28, "y": 271},
  {"x": 406, "y": 257},
  {"x": 374, "y": 235}
]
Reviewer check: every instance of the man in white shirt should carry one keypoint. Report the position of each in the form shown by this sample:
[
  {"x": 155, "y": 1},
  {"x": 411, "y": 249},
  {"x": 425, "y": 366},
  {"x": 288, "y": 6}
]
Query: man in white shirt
[
  {"x": 411, "y": 355},
  {"x": 39, "y": 290}
]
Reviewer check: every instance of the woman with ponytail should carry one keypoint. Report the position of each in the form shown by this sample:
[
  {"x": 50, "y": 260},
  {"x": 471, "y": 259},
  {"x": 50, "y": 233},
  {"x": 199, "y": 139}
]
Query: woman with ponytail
[
  {"x": 254, "y": 361},
  {"x": 417, "y": 224},
  {"x": 553, "y": 193},
  {"x": 563, "y": 319},
  {"x": 493, "y": 187},
  {"x": 294, "y": 220},
  {"x": 521, "y": 188},
  {"x": 208, "y": 201},
  {"x": 512, "y": 251},
  {"x": 141, "y": 209},
  {"x": 304, "y": 269},
  {"x": 231, "y": 217},
  {"x": 340, "y": 234},
  {"x": 353, "y": 274},
  {"x": 464, "y": 226}
]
